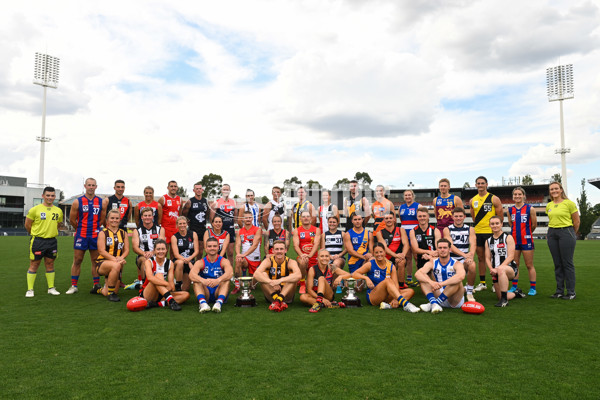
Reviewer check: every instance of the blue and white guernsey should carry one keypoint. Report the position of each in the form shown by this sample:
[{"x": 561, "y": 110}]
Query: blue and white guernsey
[{"x": 443, "y": 272}]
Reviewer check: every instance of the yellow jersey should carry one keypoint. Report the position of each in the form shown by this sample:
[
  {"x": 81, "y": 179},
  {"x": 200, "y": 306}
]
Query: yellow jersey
[
  {"x": 45, "y": 221},
  {"x": 482, "y": 209},
  {"x": 115, "y": 243}
]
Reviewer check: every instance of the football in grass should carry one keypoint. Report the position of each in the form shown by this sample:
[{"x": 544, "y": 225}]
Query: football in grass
[
  {"x": 471, "y": 307},
  {"x": 137, "y": 304}
]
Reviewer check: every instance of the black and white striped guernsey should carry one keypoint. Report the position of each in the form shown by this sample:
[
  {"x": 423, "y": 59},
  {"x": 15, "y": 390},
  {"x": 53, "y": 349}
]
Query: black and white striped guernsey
[
  {"x": 460, "y": 239},
  {"x": 499, "y": 250},
  {"x": 148, "y": 237},
  {"x": 334, "y": 242}
]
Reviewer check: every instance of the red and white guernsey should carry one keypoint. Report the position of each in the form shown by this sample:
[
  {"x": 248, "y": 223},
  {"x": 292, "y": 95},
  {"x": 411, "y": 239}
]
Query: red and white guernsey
[{"x": 247, "y": 237}]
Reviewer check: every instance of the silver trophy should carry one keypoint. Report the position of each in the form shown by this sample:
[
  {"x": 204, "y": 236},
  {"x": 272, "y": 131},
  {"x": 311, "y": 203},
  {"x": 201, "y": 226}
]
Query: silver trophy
[
  {"x": 350, "y": 298},
  {"x": 245, "y": 299}
]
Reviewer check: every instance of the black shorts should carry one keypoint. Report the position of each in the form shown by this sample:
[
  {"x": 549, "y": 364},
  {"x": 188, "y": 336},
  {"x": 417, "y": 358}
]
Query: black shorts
[
  {"x": 40, "y": 248},
  {"x": 513, "y": 265},
  {"x": 481, "y": 238},
  {"x": 231, "y": 231},
  {"x": 199, "y": 231}
]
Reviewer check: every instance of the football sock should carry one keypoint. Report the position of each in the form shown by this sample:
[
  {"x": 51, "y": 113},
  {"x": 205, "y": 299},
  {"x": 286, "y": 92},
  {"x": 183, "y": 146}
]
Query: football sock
[
  {"x": 74, "y": 280},
  {"x": 469, "y": 289},
  {"x": 221, "y": 299},
  {"x": 482, "y": 279},
  {"x": 442, "y": 298},
  {"x": 503, "y": 295},
  {"x": 515, "y": 282},
  {"x": 50, "y": 278},
  {"x": 96, "y": 280},
  {"x": 402, "y": 301},
  {"x": 320, "y": 297},
  {"x": 111, "y": 290},
  {"x": 201, "y": 298},
  {"x": 532, "y": 284},
  {"x": 30, "y": 279},
  {"x": 401, "y": 283},
  {"x": 431, "y": 298},
  {"x": 409, "y": 278},
  {"x": 277, "y": 297}
]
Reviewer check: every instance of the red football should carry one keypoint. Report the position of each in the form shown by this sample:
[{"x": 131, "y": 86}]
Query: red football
[
  {"x": 473, "y": 307},
  {"x": 137, "y": 304}
]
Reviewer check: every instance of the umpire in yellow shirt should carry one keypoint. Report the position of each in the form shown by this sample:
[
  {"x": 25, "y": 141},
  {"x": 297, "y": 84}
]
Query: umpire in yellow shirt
[{"x": 42, "y": 223}]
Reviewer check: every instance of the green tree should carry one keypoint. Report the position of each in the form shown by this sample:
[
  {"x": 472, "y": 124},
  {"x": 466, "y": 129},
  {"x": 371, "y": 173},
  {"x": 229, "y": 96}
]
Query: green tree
[
  {"x": 556, "y": 178},
  {"x": 364, "y": 178},
  {"x": 527, "y": 180},
  {"x": 264, "y": 200},
  {"x": 291, "y": 183},
  {"x": 586, "y": 212},
  {"x": 341, "y": 183},
  {"x": 313, "y": 184},
  {"x": 182, "y": 192},
  {"x": 212, "y": 185}
]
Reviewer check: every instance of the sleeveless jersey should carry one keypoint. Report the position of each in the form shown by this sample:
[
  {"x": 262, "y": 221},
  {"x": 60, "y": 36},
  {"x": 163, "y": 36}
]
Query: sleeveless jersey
[
  {"x": 212, "y": 270},
  {"x": 327, "y": 274},
  {"x": 521, "y": 224},
  {"x": 255, "y": 210},
  {"x": 274, "y": 236},
  {"x": 324, "y": 214},
  {"x": 482, "y": 211},
  {"x": 379, "y": 211},
  {"x": 148, "y": 237},
  {"x": 377, "y": 274},
  {"x": 297, "y": 210},
  {"x": 185, "y": 244},
  {"x": 460, "y": 239},
  {"x": 153, "y": 205},
  {"x": 334, "y": 242},
  {"x": 393, "y": 240},
  {"x": 124, "y": 207},
  {"x": 443, "y": 211},
  {"x": 220, "y": 237},
  {"x": 353, "y": 205},
  {"x": 360, "y": 244},
  {"x": 246, "y": 238},
  {"x": 88, "y": 222},
  {"x": 278, "y": 271},
  {"x": 499, "y": 250},
  {"x": 114, "y": 243},
  {"x": 307, "y": 242},
  {"x": 408, "y": 216},
  {"x": 170, "y": 213},
  {"x": 197, "y": 215},
  {"x": 226, "y": 210},
  {"x": 425, "y": 240},
  {"x": 442, "y": 272},
  {"x": 276, "y": 209},
  {"x": 158, "y": 269}
]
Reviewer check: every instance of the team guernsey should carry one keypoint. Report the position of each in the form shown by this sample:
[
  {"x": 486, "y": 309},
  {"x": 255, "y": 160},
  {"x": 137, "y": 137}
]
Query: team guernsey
[
  {"x": 521, "y": 227},
  {"x": 460, "y": 240},
  {"x": 426, "y": 241},
  {"x": 360, "y": 244},
  {"x": 408, "y": 216},
  {"x": 220, "y": 237},
  {"x": 274, "y": 236},
  {"x": 482, "y": 211},
  {"x": 499, "y": 252},
  {"x": 393, "y": 240},
  {"x": 327, "y": 274},
  {"x": 307, "y": 242},
  {"x": 276, "y": 209},
  {"x": 153, "y": 205},
  {"x": 148, "y": 236},
  {"x": 255, "y": 210},
  {"x": 443, "y": 211},
  {"x": 442, "y": 272},
  {"x": 157, "y": 269},
  {"x": 297, "y": 211},
  {"x": 334, "y": 242},
  {"x": 377, "y": 274},
  {"x": 324, "y": 213},
  {"x": 353, "y": 205},
  {"x": 197, "y": 215},
  {"x": 278, "y": 271},
  {"x": 247, "y": 237},
  {"x": 114, "y": 243},
  {"x": 170, "y": 214},
  {"x": 212, "y": 270},
  {"x": 185, "y": 244},
  {"x": 88, "y": 223},
  {"x": 226, "y": 210},
  {"x": 379, "y": 211},
  {"x": 123, "y": 205}
]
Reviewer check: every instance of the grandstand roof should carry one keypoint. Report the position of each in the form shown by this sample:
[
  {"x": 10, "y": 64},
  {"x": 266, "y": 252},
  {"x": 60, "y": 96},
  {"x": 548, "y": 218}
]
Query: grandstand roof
[{"x": 595, "y": 182}]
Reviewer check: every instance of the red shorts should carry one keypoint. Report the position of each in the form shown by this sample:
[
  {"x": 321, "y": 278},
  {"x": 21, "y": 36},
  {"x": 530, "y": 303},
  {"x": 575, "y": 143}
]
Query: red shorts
[
  {"x": 169, "y": 233},
  {"x": 252, "y": 265}
]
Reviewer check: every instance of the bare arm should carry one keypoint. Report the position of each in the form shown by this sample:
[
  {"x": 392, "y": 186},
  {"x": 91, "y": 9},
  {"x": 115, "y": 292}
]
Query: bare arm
[
  {"x": 156, "y": 280},
  {"x": 74, "y": 213},
  {"x": 498, "y": 206},
  {"x": 186, "y": 208},
  {"x": 533, "y": 219},
  {"x": 28, "y": 224}
]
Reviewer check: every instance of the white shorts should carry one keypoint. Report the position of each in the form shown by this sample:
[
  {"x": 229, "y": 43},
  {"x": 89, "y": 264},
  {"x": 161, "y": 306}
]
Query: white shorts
[{"x": 446, "y": 303}]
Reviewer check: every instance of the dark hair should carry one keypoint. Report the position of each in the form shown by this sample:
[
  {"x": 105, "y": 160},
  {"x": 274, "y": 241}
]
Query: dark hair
[
  {"x": 48, "y": 189},
  {"x": 481, "y": 177},
  {"x": 120, "y": 181},
  {"x": 161, "y": 241},
  {"x": 444, "y": 240},
  {"x": 459, "y": 210},
  {"x": 212, "y": 239},
  {"x": 379, "y": 244},
  {"x": 175, "y": 182},
  {"x": 423, "y": 209}
]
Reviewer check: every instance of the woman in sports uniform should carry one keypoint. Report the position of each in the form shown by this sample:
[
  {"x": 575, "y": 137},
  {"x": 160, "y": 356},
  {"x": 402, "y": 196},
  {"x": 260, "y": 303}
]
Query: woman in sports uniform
[
  {"x": 277, "y": 233},
  {"x": 382, "y": 283},
  {"x": 523, "y": 221},
  {"x": 216, "y": 231},
  {"x": 184, "y": 249},
  {"x": 408, "y": 219},
  {"x": 113, "y": 248}
]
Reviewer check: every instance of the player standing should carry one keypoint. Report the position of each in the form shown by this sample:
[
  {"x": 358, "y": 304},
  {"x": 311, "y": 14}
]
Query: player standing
[
  {"x": 424, "y": 238},
  {"x": 300, "y": 207},
  {"x": 356, "y": 204},
  {"x": 523, "y": 221},
  {"x": 87, "y": 215},
  {"x": 444, "y": 204},
  {"x": 408, "y": 218},
  {"x": 42, "y": 223},
  {"x": 275, "y": 206},
  {"x": 171, "y": 205},
  {"x": 380, "y": 208},
  {"x": 120, "y": 203},
  {"x": 225, "y": 207},
  {"x": 327, "y": 210},
  {"x": 196, "y": 210},
  {"x": 252, "y": 207},
  {"x": 148, "y": 202}
]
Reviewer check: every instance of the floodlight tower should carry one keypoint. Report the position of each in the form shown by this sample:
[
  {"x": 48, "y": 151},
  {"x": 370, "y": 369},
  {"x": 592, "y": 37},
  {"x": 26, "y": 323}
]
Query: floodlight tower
[
  {"x": 45, "y": 74},
  {"x": 560, "y": 87}
]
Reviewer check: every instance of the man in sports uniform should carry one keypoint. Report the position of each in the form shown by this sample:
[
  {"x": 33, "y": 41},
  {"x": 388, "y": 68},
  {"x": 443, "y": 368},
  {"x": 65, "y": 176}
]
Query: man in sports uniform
[
  {"x": 423, "y": 238},
  {"x": 380, "y": 208},
  {"x": 210, "y": 277},
  {"x": 484, "y": 206},
  {"x": 119, "y": 202},
  {"x": 42, "y": 223},
  {"x": 323, "y": 279},
  {"x": 142, "y": 241},
  {"x": 327, "y": 210},
  {"x": 196, "y": 210},
  {"x": 225, "y": 208},
  {"x": 171, "y": 205},
  {"x": 278, "y": 276},
  {"x": 301, "y": 206},
  {"x": 444, "y": 204},
  {"x": 408, "y": 218},
  {"x": 148, "y": 202},
  {"x": 247, "y": 247},
  {"x": 276, "y": 206},
  {"x": 446, "y": 289},
  {"x": 356, "y": 204},
  {"x": 463, "y": 243},
  {"x": 358, "y": 243},
  {"x": 396, "y": 245},
  {"x": 306, "y": 239},
  {"x": 87, "y": 215}
]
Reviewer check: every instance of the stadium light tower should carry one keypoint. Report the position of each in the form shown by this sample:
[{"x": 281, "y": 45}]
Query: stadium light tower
[
  {"x": 560, "y": 87},
  {"x": 45, "y": 74}
]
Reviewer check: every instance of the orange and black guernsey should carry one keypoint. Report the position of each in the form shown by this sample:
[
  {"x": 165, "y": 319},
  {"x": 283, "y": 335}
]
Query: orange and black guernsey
[
  {"x": 114, "y": 243},
  {"x": 278, "y": 271}
]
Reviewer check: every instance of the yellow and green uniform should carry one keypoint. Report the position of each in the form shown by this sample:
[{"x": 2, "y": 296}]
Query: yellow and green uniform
[
  {"x": 560, "y": 215},
  {"x": 45, "y": 221},
  {"x": 482, "y": 209}
]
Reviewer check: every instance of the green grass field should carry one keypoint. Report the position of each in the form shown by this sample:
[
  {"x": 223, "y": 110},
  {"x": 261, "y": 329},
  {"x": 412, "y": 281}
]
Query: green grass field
[{"x": 84, "y": 347}]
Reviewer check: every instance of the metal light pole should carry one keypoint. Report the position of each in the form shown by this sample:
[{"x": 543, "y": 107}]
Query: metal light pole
[
  {"x": 560, "y": 87},
  {"x": 45, "y": 74}
]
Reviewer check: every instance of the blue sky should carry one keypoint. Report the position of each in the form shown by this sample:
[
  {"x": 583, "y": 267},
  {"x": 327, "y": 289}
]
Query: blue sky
[{"x": 261, "y": 92}]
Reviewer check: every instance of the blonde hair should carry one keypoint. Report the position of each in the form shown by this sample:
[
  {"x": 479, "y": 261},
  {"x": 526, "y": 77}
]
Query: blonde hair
[{"x": 562, "y": 190}]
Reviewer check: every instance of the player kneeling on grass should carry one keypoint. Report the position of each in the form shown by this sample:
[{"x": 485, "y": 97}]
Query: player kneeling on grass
[
  {"x": 382, "y": 283},
  {"x": 325, "y": 279},
  {"x": 446, "y": 289},
  {"x": 210, "y": 277},
  {"x": 278, "y": 276},
  {"x": 160, "y": 280},
  {"x": 499, "y": 258},
  {"x": 113, "y": 247}
]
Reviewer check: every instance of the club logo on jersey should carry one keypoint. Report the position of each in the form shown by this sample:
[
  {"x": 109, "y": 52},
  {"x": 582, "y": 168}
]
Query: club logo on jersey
[
  {"x": 476, "y": 204},
  {"x": 200, "y": 216},
  {"x": 109, "y": 241},
  {"x": 195, "y": 205},
  {"x": 302, "y": 235},
  {"x": 43, "y": 215},
  {"x": 85, "y": 208},
  {"x": 376, "y": 274},
  {"x": 169, "y": 203},
  {"x": 180, "y": 242},
  {"x": 115, "y": 206}
]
